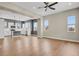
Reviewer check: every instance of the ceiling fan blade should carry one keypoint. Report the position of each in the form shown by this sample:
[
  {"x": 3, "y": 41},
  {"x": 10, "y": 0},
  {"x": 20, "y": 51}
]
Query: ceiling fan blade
[
  {"x": 40, "y": 7},
  {"x": 52, "y": 8},
  {"x": 46, "y": 3},
  {"x": 53, "y": 4}
]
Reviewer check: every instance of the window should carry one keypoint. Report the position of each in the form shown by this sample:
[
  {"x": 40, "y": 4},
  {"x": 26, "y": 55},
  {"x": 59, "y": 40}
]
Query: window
[
  {"x": 71, "y": 23},
  {"x": 46, "y": 24}
]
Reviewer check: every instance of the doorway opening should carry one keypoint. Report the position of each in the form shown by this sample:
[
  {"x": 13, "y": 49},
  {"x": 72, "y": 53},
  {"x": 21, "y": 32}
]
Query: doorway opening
[{"x": 34, "y": 27}]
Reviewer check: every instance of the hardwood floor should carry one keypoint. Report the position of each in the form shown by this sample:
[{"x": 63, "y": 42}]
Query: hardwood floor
[{"x": 33, "y": 46}]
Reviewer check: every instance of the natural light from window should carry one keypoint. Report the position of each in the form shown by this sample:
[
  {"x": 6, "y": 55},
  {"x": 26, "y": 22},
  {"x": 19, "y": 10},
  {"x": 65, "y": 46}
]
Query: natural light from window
[{"x": 71, "y": 23}]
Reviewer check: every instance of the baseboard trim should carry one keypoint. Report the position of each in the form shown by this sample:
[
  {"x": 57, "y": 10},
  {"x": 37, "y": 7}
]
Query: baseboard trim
[{"x": 69, "y": 40}]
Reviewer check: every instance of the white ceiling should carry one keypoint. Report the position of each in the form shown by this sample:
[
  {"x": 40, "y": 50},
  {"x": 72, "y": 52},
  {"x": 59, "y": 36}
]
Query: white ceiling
[
  {"x": 33, "y": 7},
  {"x": 13, "y": 16}
]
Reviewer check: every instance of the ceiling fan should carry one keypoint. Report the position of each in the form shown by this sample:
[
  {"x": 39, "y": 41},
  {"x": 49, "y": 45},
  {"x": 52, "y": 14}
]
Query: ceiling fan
[{"x": 48, "y": 6}]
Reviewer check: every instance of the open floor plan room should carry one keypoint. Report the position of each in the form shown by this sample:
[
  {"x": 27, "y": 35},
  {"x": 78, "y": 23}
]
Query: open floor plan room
[{"x": 39, "y": 28}]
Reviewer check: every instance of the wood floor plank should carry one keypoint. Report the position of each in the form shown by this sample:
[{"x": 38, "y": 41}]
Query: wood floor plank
[{"x": 33, "y": 46}]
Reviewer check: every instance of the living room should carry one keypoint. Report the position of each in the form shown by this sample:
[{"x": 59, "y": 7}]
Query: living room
[{"x": 39, "y": 28}]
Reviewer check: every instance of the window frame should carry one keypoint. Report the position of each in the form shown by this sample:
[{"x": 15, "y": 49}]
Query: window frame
[
  {"x": 46, "y": 25},
  {"x": 71, "y": 24}
]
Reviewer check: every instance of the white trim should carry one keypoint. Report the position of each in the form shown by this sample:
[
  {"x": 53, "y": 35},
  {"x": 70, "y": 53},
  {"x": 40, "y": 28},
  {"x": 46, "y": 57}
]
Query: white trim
[{"x": 62, "y": 39}]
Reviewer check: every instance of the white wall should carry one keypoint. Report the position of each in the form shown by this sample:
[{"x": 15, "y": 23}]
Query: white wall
[
  {"x": 57, "y": 27},
  {"x": 40, "y": 27}
]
